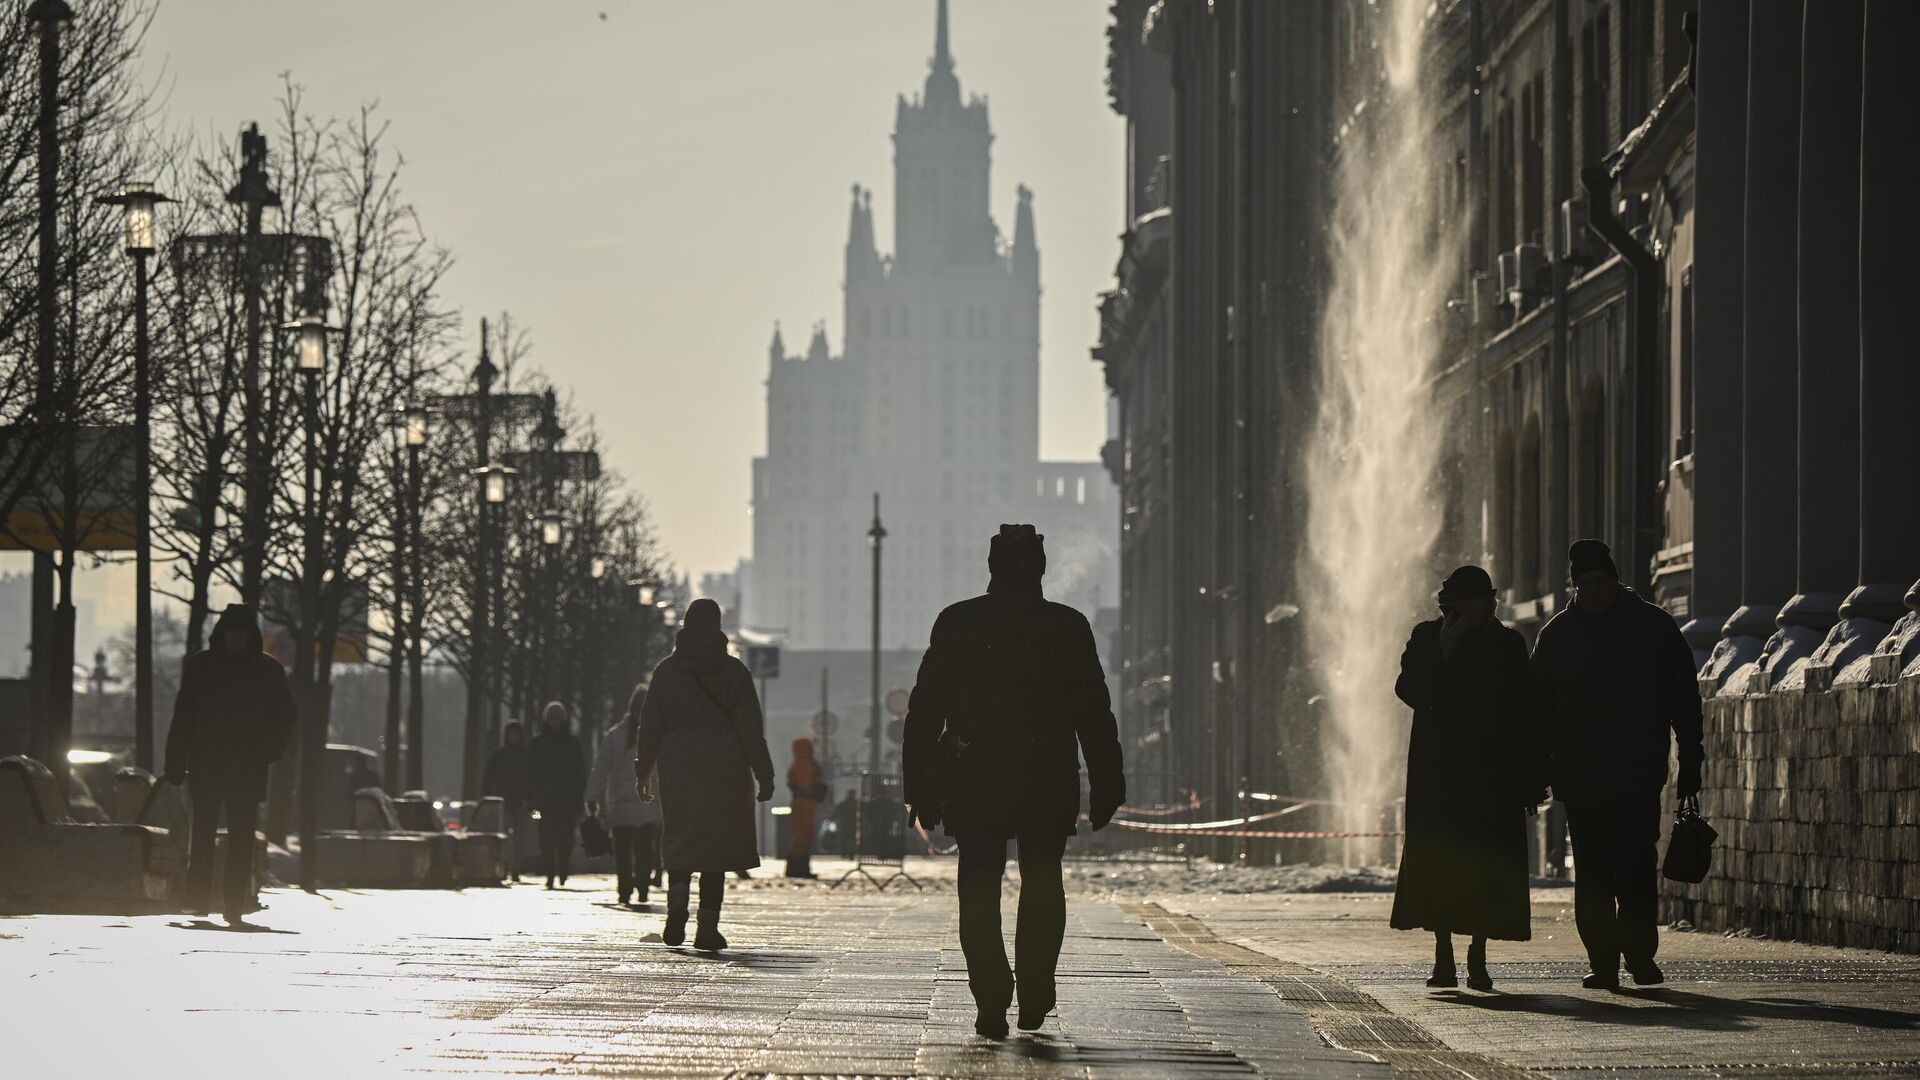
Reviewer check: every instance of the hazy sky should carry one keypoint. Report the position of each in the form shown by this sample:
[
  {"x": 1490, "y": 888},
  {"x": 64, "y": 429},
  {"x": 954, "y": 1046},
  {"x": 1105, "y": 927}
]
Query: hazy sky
[{"x": 648, "y": 192}]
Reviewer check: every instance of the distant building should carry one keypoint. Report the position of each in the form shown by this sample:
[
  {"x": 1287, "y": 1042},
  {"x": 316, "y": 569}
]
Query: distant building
[{"x": 933, "y": 402}]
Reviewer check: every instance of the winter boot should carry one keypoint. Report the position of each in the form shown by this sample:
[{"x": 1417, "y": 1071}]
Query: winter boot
[
  {"x": 1444, "y": 976},
  {"x": 1477, "y": 977},
  {"x": 675, "y": 932},
  {"x": 707, "y": 938}
]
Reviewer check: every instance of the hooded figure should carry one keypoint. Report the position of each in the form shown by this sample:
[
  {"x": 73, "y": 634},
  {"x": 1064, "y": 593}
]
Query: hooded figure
[
  {"x": 1618, "y": 687},
  {"x": 701, "y": 727},
  {"x": 232, "y": 719},
  {"x": 1473, "y": 767},
  {"x": 1010, "y": 695},
  {"x": 612, "y": 793},
  {"x": 557, "y": 788},
  {"x": 808, "y": 786}
]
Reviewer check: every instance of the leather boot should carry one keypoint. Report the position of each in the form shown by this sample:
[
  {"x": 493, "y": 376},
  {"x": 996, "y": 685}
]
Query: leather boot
[{"x": 707, "y": 938}]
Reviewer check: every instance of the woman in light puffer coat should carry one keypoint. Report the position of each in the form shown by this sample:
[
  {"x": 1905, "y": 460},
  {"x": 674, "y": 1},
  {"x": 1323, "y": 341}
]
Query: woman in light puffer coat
[{"x": 611, "y": 792}]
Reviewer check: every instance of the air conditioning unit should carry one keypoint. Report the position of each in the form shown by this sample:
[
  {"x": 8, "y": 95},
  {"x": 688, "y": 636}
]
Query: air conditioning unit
[
  {"x": 1530, "y": 278},
  {"x": 1484, "y": 298},
  {"x": 1576, "y": 242}
]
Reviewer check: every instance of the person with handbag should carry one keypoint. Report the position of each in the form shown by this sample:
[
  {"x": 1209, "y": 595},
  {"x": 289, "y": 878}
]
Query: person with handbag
[
  {"x": 1474, "y": 768},
  {"x": 556, "y": 787},
  {"x": 611, "y": 793},
  {"x": 807, "y": 785},
  {"x": 701, "y": 728},
  {"x": 1010, "y": 694},
  {"x": 1617, "y": 685}
]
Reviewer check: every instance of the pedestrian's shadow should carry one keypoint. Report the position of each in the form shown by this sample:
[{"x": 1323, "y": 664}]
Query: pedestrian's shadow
[
  {"x": 747, "y": 958},
  {"x": 1687, "y": 1011},
  {"x": 230, "y": 928}
]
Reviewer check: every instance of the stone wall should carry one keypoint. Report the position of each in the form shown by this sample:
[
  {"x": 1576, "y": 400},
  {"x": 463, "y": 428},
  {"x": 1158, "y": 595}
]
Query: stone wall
[{"x": 1817, "y": 799}]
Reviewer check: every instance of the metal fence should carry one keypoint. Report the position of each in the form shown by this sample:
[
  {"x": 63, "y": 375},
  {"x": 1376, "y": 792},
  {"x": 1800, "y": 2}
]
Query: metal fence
[{"x": 880, "y": 831}]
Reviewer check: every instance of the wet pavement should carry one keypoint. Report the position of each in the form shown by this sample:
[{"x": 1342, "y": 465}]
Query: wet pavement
[{"x": 517, "y": 981}]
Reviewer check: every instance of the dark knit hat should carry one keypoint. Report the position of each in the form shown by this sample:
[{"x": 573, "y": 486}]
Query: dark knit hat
[
  {"x": 1587, "y": 556},
  {"x": 703, "y": 614},
  {"x": 1017, "y": 550},
  {"x": 1465, "y": 583}
]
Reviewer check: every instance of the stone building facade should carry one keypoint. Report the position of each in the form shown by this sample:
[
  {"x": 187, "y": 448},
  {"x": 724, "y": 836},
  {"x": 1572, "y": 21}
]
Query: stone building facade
[
  {"x": 1672, "y": 326},
  {"x": 933, "y": 402}
]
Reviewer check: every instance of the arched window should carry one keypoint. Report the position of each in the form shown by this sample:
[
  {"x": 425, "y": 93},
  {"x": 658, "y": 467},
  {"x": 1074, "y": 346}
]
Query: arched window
[
  {"x": 1528, "y": 582},
  {"x": 1591, "y": 464}
]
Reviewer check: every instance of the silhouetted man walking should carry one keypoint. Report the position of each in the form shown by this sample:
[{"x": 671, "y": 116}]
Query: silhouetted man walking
[
  {"x": 1616, "y": 678},
  {"x": 1009, "y": 683},
  {"x": 231, "y": 720}
]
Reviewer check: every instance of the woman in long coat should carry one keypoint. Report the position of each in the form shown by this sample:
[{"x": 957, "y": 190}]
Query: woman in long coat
[
  {"x": 611, "y": 792},
  {"x": 1473, "y": 770},
  {"x": 701, "y": 726}
]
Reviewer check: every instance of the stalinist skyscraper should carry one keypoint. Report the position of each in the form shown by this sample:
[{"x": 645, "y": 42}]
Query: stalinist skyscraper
[{"x": 934, "y": 402}]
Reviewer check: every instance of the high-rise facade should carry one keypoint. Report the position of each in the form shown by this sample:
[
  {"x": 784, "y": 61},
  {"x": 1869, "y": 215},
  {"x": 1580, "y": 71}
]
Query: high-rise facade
[{"x": 933, "y": 402}]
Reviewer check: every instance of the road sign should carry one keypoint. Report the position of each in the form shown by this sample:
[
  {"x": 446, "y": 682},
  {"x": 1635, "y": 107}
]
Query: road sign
[
  {"x": 897, "y": 702},
  {"x": 824, "y": 723},
  {"x": 896, "y": 729},
  {"x": 567, "y": 464},
  {"x": 763, "y": 661}
]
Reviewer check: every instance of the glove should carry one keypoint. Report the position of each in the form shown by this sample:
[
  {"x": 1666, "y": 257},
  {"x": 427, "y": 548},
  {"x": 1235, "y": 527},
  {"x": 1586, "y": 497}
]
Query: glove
[
  {"x": 928, "y": 817},
  {"x": 1101, "y": 808},
  {"x": 766, "y": 791},
  {"x": 1689, "y": 783}
]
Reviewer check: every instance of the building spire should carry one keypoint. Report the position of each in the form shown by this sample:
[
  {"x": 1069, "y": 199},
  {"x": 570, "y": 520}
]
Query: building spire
[
  {"x": 863, "y": 257},
  {"x": 943, "y": 88},
  {"x": 777, "y": 350}
]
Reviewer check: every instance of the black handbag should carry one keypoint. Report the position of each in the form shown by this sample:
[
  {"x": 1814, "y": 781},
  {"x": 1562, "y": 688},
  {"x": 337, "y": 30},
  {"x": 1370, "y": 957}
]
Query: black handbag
[
  {"x": 1690, "y": 847},
  {"x": 594, "y": 839}
]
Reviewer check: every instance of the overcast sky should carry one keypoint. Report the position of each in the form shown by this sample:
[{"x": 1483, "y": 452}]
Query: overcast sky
[{"x": 648, "y": 192}]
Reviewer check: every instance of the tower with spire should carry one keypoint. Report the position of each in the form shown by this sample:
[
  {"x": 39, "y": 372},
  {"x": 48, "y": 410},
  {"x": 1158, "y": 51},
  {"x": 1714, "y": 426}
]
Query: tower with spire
[{"x": 933, "y": 401}]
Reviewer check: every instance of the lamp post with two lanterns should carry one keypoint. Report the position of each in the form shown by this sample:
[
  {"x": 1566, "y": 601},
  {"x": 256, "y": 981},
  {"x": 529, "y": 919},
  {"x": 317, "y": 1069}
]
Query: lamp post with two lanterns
[
  {"x": 139, "y": 201},
  {"x": 483, "y": 691},
  {"x": 415, "y": 419},
  {"x": 551, "y": 525}
]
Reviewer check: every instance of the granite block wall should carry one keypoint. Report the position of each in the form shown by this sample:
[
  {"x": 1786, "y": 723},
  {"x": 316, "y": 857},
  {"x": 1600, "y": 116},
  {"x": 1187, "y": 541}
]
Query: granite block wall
[{"x": 1816, "y": 795}]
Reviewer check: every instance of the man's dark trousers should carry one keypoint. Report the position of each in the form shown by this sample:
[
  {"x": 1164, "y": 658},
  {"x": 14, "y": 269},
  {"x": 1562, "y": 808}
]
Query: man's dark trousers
[
  {"x": 1616, "y": 878},
  {"x": 243, "y": 816},
  {"x": 1038, "y": 930}
]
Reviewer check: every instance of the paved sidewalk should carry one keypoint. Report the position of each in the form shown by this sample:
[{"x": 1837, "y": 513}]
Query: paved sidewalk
[
  {"x": 1731, "y": 1006},
  {"x": 524, "y": 981}
]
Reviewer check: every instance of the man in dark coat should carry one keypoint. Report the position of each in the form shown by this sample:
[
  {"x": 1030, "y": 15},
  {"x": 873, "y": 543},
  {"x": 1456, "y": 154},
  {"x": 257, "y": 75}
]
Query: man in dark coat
[
  {"x": 506, "y": 777},
  {"x": 556, "y": 788},
  {"x": 1616, "y": 678},
  {"x": 701, "y": 726},
  {"x": 231, "y": 720},
  {"x": 1009, "y": 684},
  {"x": 1473, "y": 767}
]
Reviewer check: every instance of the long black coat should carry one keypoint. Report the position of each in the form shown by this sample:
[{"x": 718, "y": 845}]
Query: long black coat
[
  {"x": 556, "y": 774},
  {"x": 1473, "y": 767},
  {"x": 506, "y": 775},
  {"x": 1614, "y": 683},
  {"x": 232, "y": 718},
  {"x": 1019, "y": 678},
  {"x": 710, "y": 748}
]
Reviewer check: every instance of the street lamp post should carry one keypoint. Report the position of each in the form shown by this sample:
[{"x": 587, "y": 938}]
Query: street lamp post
[
  {"x": 311, "y": 361},
  {"x": 552, "y": 532},
  {"x": 139, "y": 200},
  {"x": 644, "y": 591},
  {"x": 416, "y": 419},
  {"x": 493, "y": 479},
  {"x": 253, "y": 192},
  {"x": 876, "y": 537},
  {"x": 52, "y": 660}
]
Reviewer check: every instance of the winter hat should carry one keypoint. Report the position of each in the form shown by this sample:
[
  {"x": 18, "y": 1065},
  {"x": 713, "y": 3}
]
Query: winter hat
[
  {"x": 1465, "y": 583},
  {"x": 1017, "y": 550},
  {"x": 1588, "y": 556},
  {"x": 703, "y": 614},
  {"x": 554, "y": 711}
]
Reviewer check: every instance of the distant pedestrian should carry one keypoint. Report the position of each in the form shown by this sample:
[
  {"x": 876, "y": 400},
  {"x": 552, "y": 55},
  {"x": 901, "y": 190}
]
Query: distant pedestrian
[
  {"x": 556, "y": 787},
  {"x": 1618, "y": 689},
  {"x": 807, "y": 786},
  {"x": 506, "y": 777},
  {"x": 231, "y": 720},
  {"x": 1010, "y": 694},
  {"x": 1474, "y": 766},
  {"x": 701, "y": 726},
  {"x": 611, "y": 792}
]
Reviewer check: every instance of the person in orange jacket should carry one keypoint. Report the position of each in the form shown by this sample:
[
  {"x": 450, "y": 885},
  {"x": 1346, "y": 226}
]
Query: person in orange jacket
[{"x": 808, "y": 784}]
